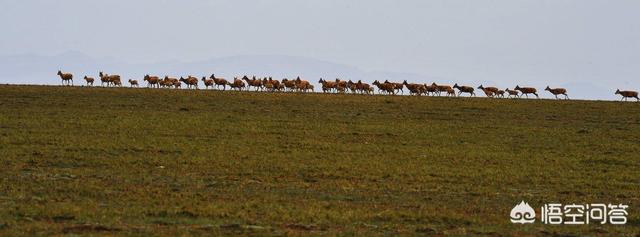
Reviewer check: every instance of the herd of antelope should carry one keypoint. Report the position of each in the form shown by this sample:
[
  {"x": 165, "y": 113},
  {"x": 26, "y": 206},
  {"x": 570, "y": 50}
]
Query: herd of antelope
[{"x": 328, "y": 86}]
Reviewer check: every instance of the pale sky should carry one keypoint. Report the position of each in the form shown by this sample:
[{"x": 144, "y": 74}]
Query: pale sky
[{"x": 533, "y": 42}]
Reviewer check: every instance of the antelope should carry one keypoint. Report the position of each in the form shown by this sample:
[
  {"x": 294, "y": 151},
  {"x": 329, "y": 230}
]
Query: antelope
[
  {"x": 133, "y": 83},
  {"x": 237, "y": 84},
  {"x": 104, "y": 78},
  {"x": 491, "y": 88},
  {"x": 487, "y": 91},
  {"x": 289, "y": 84},
  {"x": 116, "y": 81},
  {"x": 66, "y": 77},
  {"x": 207, "y": 83},
  {"x": 190, "y": 81},
  {"x": 327, "y": 86},
  {"x": 451, "y": 92},
  {"x": 326, "y": 89},
  {"x": 268, "y": 85},
  {"x": 396, "y": 86},
  {"x": 219, "y": 82},
  {"x": 430, "y": 89},
  {"x": 169, "y": 80},
  {"x": 253, "y": 82},
  {"x": 363, "y": 87},
  {"x": 301, "y": 84},
  {"x": 527, "y": 90},
  {"x": 152, "y": 80},
  {"x": 89, "y": 80},
  {"x": 413, "y": 88},
  {"x": 164, "y": 84},
  {"x": 110, "y": 79},
  {"x": 627, "y": 94},
  {"x": 341, "y": 83},
  {"x": 385, "y": 87},
  {"x": 276, "y": 84},
  {"x": 500, "y": 94},
  {"x": 352, "y": 86},
  {"x": 558, "y": 91},
  {"x": 177, "y": 84},
  {"x": 514, "y": 93},
  {"x": 442, "y": 88},
  {"x": 464, "y": 89}
]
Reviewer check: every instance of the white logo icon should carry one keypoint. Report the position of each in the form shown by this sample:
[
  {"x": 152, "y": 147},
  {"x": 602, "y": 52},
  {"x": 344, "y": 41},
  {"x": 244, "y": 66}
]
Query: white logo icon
[{"x": 523, "y": 213}]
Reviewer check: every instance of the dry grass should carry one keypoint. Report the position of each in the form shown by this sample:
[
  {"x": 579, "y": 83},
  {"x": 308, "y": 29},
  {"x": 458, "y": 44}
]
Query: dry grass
[{"x": 139, "y": 161}]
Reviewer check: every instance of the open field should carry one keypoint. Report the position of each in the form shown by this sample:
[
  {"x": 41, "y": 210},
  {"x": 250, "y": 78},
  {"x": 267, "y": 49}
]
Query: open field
[{"x": 139, "y": 161}]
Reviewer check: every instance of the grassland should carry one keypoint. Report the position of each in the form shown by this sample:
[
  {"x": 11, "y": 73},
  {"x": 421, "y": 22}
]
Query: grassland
[{"x": 139, "y": 161}]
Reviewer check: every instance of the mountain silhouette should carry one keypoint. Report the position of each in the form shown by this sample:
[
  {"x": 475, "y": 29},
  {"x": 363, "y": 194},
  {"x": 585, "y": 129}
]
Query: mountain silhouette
[{"x": 41, "y": 70}]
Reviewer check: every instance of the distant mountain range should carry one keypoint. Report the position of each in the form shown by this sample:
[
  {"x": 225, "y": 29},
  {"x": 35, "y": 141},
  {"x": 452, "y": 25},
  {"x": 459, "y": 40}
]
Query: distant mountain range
[{"x": 38, "y": 69}]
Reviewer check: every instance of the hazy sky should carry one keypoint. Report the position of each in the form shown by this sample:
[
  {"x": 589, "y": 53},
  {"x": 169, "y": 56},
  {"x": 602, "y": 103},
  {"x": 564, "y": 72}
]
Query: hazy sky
[{"x": 530, "y": 41}]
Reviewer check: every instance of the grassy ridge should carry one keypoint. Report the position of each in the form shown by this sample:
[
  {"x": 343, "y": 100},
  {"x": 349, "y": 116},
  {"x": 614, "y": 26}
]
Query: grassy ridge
[{"x": 103, "y": 160}]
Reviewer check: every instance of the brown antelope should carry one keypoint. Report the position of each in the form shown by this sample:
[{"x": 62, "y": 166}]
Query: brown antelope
[
  {"x": 500, "y": 94},
  {"x": 65, "y": 77},
  {"x": 414, "y": 89},
  {"x": 327, "y": 86},
  {"x": 396, "y": 86},
  {"x": 558, "y": 91},
  {"x": 341, "y": 83},
  {"x": 491, "y": 88},
  {"x": 451, "y": 92},
  {"x": 165, "y": 84},
  {"x": 133, "y": 83},
  {"x": 110, "y": 79},
  {"x": 527, "y": 90},
  {"x": 627, "y": 94},
  {"x": 430, "y": 89},
  {"x": 177, "y": 84},
  {"x": 290, "y": 85},
  {"x": 276, "y": 84},
  {"x": 219, "y": 82},
  {"x": 268, "y": 85},
  {"x": 487, "y": 91},
  {"x": 442, "y": 88},
  {"x": 190, "y": 81},
  {"x": 385, "y": 87},
  {"x": 237, "y": 84},
  {"x": 352, "y": 86},
  {"x": 207, "y": 83},
  {"x": 363, "y": 87},
  {"x": 464, "y": 89},
  {"x": 326, "y": 89},
  {"x": 301, "y": 84},
  {"x": 169, "y": 80},
  {"x": 151, "y": 81},
  {"x": 513, "y": 93},
  {"x": 89, "y": 80},
  {"x": 253, "y": 82},
  {"x": 104, "y": 78},
  {"x": 116, "y": 81}
]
